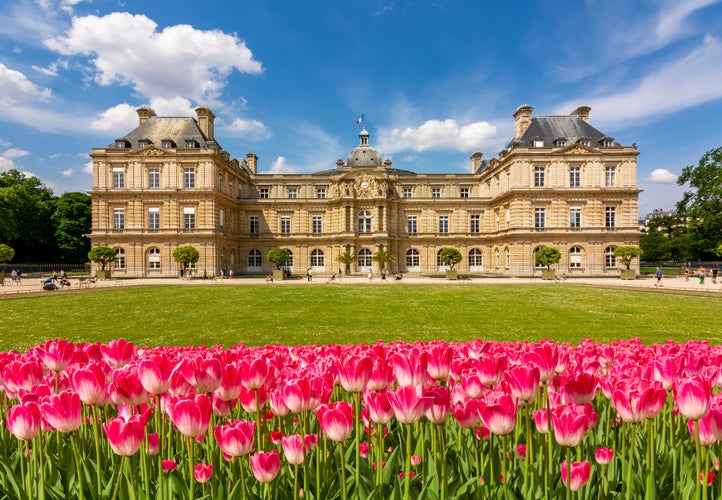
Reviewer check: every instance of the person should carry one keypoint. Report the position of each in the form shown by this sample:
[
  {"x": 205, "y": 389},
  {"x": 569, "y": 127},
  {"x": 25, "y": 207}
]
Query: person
[
  {"x": 658, "y": 274},
  {"x": 561, "y": 277},
  {"x": 331, "y": 278},
  {"x": 701, "y": 273},
  {"x": 339, "y": 274},
  {"x": 269, "y": 278},
  {"x": 48, "y": 284},
  {"x": 686, "y": 273},
  {"x": 399, "y": 277},
  {"x": 221, "y": 272},
  {"x": 371, "y": 275},
  {"x": 714, "y": 272},
  {"x": 14, "y": 276},
  {"x": 62, "y": 274},
  {"x": 64, "y": 281},
  {"x": 309, "y": 274},
  {"x": 55, "y": 276},
  {"x": 205, "y": 274},
  {"x": 230, "y": 274},
  {"x": 383, "y": 274}
]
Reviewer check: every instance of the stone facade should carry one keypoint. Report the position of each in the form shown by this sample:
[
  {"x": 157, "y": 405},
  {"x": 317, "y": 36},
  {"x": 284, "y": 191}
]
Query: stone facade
[{"x": 559, "y": 182}]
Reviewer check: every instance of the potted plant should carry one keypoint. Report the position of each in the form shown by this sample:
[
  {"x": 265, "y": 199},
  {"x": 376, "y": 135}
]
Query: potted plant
[
  {"x": 383, "y": 257},
  {"x": 450, "y": 257},
  {"x": 626, "y": 255},
  {"x": 547, "y": 256},
  {"x": 103, "y": 256},
  {"x": 279, "y": 257},
  {"x": 347, "y": 258},
  {"x": 185, "y": 256}
]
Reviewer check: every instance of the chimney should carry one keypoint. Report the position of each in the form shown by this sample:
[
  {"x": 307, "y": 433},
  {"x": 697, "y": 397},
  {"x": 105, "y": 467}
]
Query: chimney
[
  {"x": 252, "y": 161},
  {"x": 144, "y": 113},
  {"x": 522, "y": 119},
  {"x": 475, "y": 161},
  {"x": 205, "y": 121},
  {"x": 582, "y": 112}
]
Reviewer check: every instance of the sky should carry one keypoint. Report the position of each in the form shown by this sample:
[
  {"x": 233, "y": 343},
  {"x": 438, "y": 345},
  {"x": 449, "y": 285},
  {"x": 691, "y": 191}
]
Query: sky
[{"x": 435, "y": 80}]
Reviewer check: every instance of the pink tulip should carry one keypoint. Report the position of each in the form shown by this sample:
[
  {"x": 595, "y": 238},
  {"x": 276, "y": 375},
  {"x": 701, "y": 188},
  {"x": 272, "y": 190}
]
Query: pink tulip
[
  {"x": 415, "y": 460},
  {"x": 603, "y": 456},
  {"x": 155, "y": 372},
  {"x": 57, "y": 354},
  {"x": 410, "y": 367},
  {"x": 22, "y": 375},
  {"x": 117, "y": 353},
  {"x": 500, "y": 416},
  {"x": 293, "y": 449},
  {"x": 709, "y": 479},
  {"x": 128, "y": 386},
  {"x": 277, "y": 404},
  {"x": 62, "y": 411},
  {"x": 577, "y": 477},
  {"x": 544, "y": 356},
  {"x": 440, "y": 407},
  {"x": 472, "y": 384},
  {"x": 409, "y": 403},
  {"x": 203, "y": 373},
  {"x": 467, "y": 413},
  {"x": 153, "y": 444},
  {"x": 491, "y": 369},
  {"x": 693, "y": 397},
  {"x": 570, "y": 424},
  {"x": 235, "y": 438},
  {"x": 254, "y": 373},
  {"x": 298, "y": 396},
  {"x": 379, "y": 406},
  {"x": 666, "y": 370},
  {"x": 382, "y": 376},
  {"x": 203, "y": 472},
  {"x": 336, "y": 420},
  {"x": 247, "y": 398},
  {"x": 168, "y": 465},
  {"x": 89, "y": 383},
  {"x": 523, "y": 382},
  {"x": 439, "y": 361},
  {"x": 541, "y": 421},
  {"x": 354, "y": 373},
  {"x": 191, "y": 414},
  {"x": 265, "y": 465},
  {"x": 582, "y": 388},
  {"x": 230, "y": 387},
  {"x": 125, "y": 437},
  {"x": 644, "y": 400},
  {"x": 710, "y": 427},
  {"x": 23, "y": 420}
]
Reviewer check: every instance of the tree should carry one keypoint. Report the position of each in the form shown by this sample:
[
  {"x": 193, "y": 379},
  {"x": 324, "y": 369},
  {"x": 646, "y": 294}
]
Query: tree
[
  {"x": 72, "y": 219},
  {"x": 186, "y": 255},
  {"x": 383, "y": 257},
  {"x": 347, "y": 258},
  {"x": 655, "y": 245},
  {"x": 700, "y": 206},
  {"x": 278, "y": 256},
  {"x": 547, "y": 256},
  {"x": 626, "y": 254},
  {"x": 449, "y": 257},
  {"x": 102, "y": 255},
  {"x": 6, "y": 253}
]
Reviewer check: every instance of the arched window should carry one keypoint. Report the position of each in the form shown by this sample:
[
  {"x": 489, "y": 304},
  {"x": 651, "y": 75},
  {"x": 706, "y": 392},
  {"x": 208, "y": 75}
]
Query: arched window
[
  {"x": 317, "y": 258},
  {"x": 254, "y": 258},
  {"x": 412, "y": 258},
  {"x": 119, "y": 259},
  {"x": 476, "y": 258},
  {"x": 289, "y": 262},
  {"x": 364, "y": 222},
  {"x": 609, "y": 259},
  {"x": 364, "y": 257},
  {"x": 154, "y": 258},
  {"x": 575, "y": 257}
]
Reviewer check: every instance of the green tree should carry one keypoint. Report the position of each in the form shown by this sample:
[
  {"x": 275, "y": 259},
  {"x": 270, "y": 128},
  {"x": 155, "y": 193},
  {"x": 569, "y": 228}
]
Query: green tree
[
  {"x": 700, "y": 205},
  {"x": 547, "y": 256},
  {"x": 656, "y": 246},
  {"x": 383, "y": 257},
  {"x": 626, "y": 254},
  {"x": 72, "y": 220},
  {"x": 6, "y": 253},
  {"x": 346, "y": 258},
  {"x": 278, "y": 256},
  {"x": 186, "y": 255},
  {"x": 102, "y": 255},
  {"x": 450, "y": 257}
]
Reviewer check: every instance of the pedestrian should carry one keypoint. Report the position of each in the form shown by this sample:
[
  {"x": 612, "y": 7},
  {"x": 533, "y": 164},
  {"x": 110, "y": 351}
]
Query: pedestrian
[
  {"x": 309, "y": 274},
  {"x": 339, "y": 274},
  {"x": 714, "y": 272},
  {"x": 371, "y": 275},
  {"x": 686, "y": 273},
  {"x": 205, "y": 274},
  {"x": 701, "y": 273},
  {"x": 230, "y": 274},
  {"x": 383, "y": 274},
  {"x": 658, "y": 274}
]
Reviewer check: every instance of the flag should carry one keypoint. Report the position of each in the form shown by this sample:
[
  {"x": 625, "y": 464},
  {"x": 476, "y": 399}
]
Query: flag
[{"x": 360, "y": 119}]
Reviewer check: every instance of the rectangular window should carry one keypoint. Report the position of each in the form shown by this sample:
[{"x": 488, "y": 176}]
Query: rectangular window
[
  {"x": 317, "y": 224},
  {"x": 540, "y": 215},
  {"x": 118, "y": 178},
  {"x": 475, "y": 224},
  {"x": 263, "y": 193},
  {"x": 320, "y": 193},
  {"x": 153, "y": 178},
  {"x": 436, "y": 192},
  {"x": 253, "y": 224},
  {"x": 154, "y": 218},
  {"x": 464, "y": 193},
  {"x": 609, "y": 176},
  {"x": 189, "y": 178},
  {"x": 292, "y": 193},
  {"x": 189, "y": 218},
  {"x": 412, "y": 224},
  {"x": 407, "y": 192},
  {"x": 610, "y": 217},
  {"x": 443, "y": 224},
  {"x": 118, "y": 218},
  {"x": 539, "y": 176},
  {"x": 575, "y": 217},
  {"x": 575, "y": 176},
  {"x": 285, "y": 224},
  {"x": 221, "y": 218}
]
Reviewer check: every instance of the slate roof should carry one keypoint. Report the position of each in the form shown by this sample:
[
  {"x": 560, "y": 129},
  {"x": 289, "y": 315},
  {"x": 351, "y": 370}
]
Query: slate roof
[
  {"x": 160, "y": 128},
  {"x": 551, "y": 128},
  {"x": 341, "y": 171}
]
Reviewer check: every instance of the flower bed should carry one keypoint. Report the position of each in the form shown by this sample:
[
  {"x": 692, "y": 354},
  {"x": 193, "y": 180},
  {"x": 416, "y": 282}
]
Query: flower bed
[{"x": 424, "y": 420}]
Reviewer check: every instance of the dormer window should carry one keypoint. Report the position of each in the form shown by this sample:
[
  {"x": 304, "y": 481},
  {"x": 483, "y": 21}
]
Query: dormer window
[
  {"x": 167, "y": 144},
  {"x": 121, "y": 144},
  {"x": 584, "y": 142},
  {"x": 144, "y": 143},
  {"x": 537, "y": 143},
  {"x": 191, "y": 143},
  {"x": 607, "y": 142},
  {"x": 560, "y": 142}
]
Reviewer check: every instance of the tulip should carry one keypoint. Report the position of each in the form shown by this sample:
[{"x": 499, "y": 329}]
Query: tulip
[
  {"x": 117, "y": 353},
  {"x": 153, "y": 444},
  {"x": 236, "y": 438},
  {"x": 472, "y": 384},
  {"x": 354, "y": 373},
  {"x": 467, "y": 413},
  {"x": 523, "y": 382},
  {"x": 500, "y": 416},
  {"x": 203, "y": 373},
  {"x": 125, "y": 437},
  {"x": 155, "y": 373},
  {"x": 203, "y": 472},
  {"x": 643, "y": 401},
  {"x": 570, "y": 424},
  {"x": 57, "y": 354},
  {"x": 293, "y": 449},
  {"x": 693, "y": 397},
  {"x": 230, "y": 387},
  {"x": 544, "y": 356},
  {"x": 254, "y": 373},
  {"x": 23, "y": 420},
  {"x": 491, "y": 369},
  {"x": 410, "y": 367},
  {"x": 710, "y": 427},
  {"x": 440, "y": 407},
  {"x": 62, "y": 411},
  {"x": 128, "y": 386},
  {"x": 576, "y": 477},
  {"x": 603, "y": 456},
  {"x": 265, "y": 465},
  {"x": 191, "y": 414},
  {"x": 298, "y": 395},
  {"x": 541, "y": 421},
  {"x": 168, "y": 465},
  {"x": 409, "y": 404},
  {"x": 439, "y": 362},
  {"x": 336, "y": 420},
  {"x": 89, "y": 383},
  {"x": 252, "y": 400},
  {"x": 22, "y": 375},
  {"x": 379, "y": 406},
  {"x": 582, "y": 388}
]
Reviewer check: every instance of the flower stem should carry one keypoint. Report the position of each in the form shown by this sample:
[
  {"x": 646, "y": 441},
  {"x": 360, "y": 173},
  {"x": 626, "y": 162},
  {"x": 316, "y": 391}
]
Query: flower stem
[
  {"x": 628, "y": 489},
  {"x": 342, "y": 464},
  {"x": 78, "y": 471},
  {"x": 407, "y": 476}
]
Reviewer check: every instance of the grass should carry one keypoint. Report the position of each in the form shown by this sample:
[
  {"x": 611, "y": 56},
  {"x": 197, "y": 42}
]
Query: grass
[{"x": 259, "y": 315}]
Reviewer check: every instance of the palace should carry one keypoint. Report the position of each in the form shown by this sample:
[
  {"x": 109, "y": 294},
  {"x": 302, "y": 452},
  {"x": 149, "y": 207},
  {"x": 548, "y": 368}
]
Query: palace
[{"x": 559, "y": 182}]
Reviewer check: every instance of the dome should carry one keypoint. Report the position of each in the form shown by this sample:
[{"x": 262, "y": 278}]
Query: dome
[{"x": 363, "y": 155}]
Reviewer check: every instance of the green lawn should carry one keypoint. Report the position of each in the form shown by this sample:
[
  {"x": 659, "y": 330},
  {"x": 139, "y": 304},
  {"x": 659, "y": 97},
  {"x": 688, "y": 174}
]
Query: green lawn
[{"x": 258, "y": 315}]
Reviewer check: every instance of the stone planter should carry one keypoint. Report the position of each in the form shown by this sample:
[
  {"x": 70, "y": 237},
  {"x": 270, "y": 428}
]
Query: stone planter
[
  {"x": 548, "y": 274},
  {"x": 452, "y": 274},
  {"x": 278, "y": 275},
  {"x": 103, "y": 275},
  {"x": 628, "y": 274}
]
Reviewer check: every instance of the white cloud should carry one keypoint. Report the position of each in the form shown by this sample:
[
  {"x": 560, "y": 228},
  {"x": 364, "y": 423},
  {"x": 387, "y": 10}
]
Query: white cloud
[
  {"x": 15, "y": 153},
  {"x": 51, "y": 70},
  {"x": 18, "y": 90},
  {"x": 8, "y": 157},
  {"x": 662, "y": 176},
  {"x": 437, "y": 135},
  {"x": 67, "y": 173},
  {"x": 119, "y": 118},
  {"x": 88, "y": 167},
  {"x": 173, "y": 106},
  {"x": 185, "y": 61},
  {"x": 249, "y": 129},
  {"x": 279, "y": 166}
]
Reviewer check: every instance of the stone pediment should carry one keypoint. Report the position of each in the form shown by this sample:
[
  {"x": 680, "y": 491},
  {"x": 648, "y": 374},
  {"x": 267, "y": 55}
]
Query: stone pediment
[
  {"x": 152, "y": 151},
  {"x": 578, "y": 149}
]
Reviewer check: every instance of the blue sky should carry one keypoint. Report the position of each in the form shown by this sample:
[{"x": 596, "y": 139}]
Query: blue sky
[{"x": 435, "y": 79}]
